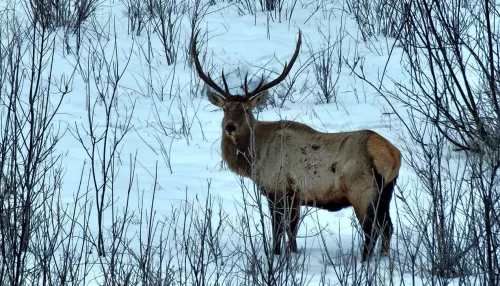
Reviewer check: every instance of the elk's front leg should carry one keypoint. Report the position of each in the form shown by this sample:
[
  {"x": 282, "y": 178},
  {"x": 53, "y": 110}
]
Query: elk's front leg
[
  {"x": 293, "y": 212},
  {"x": 276, "y": 212}
]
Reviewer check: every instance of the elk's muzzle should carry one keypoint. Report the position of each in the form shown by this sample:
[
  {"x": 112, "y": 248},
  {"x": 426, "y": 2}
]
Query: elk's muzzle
[{"x": 230, "y": 128}]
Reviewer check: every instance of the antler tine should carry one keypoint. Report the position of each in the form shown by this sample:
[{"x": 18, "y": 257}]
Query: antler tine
[
  {"x": 225, "y": 83},
  {"x": 245, "y": 83},
  {"x": 202, "y": 75},
  {"x": 283, "y": 75},
  {"x": 249, "y": 94}
]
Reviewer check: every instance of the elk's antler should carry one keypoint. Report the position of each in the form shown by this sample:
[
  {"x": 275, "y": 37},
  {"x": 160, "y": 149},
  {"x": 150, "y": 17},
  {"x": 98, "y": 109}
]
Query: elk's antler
[
  {"x": 203, "y": 76},
  {"x": 260, "y": 88}
]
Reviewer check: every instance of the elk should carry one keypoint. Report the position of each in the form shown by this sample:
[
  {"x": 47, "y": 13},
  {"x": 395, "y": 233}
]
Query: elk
[{"x": 294, "y": 165}]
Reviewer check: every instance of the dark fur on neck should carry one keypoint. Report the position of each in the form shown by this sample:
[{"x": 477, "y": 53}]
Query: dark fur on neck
[{"x": 237, "y": 154}]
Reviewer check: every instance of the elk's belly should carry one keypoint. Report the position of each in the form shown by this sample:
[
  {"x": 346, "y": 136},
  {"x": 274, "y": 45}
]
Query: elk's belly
[
  {"x": 317, "y": 175},
  {"x": 313, "y": 185},
  {"x": 325, "y": 193}
]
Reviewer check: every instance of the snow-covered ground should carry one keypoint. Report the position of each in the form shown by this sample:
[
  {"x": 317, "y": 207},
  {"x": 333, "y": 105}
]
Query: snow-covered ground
[{"x": 171, "y": 136}]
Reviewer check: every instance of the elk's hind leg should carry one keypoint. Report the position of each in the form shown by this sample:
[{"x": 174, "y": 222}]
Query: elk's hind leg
[
  {"x": 377, "y": 218},
  {"x": 367, "y": 207},
  {"x": 370, "y": 231},
  {"x": 384, "y": 217}
]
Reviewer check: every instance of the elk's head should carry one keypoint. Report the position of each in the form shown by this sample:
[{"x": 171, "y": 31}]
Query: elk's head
[{"x": 238, "y": 118}]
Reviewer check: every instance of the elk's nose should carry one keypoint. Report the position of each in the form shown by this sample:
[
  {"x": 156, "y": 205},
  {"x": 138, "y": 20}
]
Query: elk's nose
[{"x": 230, "y": 128}]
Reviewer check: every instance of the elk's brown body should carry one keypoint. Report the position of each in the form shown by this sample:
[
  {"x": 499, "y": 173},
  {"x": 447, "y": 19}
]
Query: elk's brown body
[{"x": 295, "y": 165}]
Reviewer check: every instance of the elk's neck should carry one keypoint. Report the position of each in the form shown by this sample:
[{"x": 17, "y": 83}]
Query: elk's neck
[{"x": 239, "y": 153}]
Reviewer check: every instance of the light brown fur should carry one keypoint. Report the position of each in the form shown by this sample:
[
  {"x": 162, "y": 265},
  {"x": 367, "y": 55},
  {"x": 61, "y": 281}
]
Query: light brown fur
[
  {"x": 386, "y": 157},
  {"x": 327, "y": 170},
  {"x": 295, "y": 165}
]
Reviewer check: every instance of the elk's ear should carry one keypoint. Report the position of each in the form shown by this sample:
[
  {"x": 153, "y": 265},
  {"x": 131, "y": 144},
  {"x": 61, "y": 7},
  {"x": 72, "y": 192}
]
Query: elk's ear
[
  {"x": 216, "y": 99},
  {"x": 257, "y": 99}
]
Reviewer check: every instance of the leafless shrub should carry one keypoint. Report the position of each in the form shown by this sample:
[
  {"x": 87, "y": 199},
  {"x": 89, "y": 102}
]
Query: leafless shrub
[
  {"x": 33, "y": 222},
  {"x": 70, "y": 14},
  {"x": 160, "y": 17},
  {"x": 451, "y": 59},
  {"x": 257, "y": 260},
  {"x": 104, "y": 146},
  {"x": 137, "y": 14},
  {"x": 166, "y": 18},
  {"x": 328, "y": 62},
  {"x": 45, "y": 240},
  {"x": 276, "y": 10},
  {"x": 441, "y": 217},
  {"x": 344, "y": 261},
  {"x": 381, "y": 17},
  {"x": 246, "y": 7}
]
